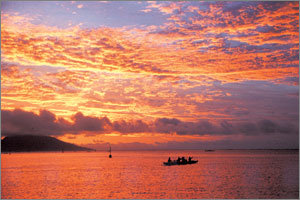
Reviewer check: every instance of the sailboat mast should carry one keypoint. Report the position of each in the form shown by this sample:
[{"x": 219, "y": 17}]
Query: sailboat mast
[{"x": 109, "y": 151}]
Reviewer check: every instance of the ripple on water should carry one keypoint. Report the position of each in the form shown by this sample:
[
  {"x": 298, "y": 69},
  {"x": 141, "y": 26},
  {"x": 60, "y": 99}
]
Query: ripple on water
[{"x": 138, "y": 175}]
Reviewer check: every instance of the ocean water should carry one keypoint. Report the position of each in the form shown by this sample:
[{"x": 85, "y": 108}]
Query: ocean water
[{"x": 233, "y": 174}]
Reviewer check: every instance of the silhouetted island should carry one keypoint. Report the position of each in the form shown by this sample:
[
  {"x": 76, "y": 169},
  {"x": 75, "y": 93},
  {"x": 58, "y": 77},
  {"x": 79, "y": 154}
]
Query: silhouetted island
[{"x": 30, "y": 143}]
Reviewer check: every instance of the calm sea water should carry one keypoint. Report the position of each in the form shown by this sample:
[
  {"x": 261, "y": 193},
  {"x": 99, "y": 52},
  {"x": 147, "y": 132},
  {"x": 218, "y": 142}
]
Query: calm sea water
[{"x": 141, "y": 175}]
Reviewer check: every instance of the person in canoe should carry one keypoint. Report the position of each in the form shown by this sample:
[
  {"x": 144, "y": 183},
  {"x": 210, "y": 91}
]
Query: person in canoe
[
  {"x": 169, "y": 160},
  {"x": 178, "y": 160}
]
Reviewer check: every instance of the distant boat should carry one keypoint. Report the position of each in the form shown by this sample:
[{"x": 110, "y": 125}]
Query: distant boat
[
  {"x": 174, "y": 162},
  {"x": 209, "y": 150}
]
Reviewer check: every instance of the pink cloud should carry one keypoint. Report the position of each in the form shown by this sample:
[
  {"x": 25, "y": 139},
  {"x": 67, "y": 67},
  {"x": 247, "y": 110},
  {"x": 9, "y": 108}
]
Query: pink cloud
[{"x": 146, "y": 10}]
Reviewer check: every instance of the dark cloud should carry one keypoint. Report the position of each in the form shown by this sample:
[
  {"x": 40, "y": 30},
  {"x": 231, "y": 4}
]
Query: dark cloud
[
  {"x": 85, "y": 123},
  {"x": 203, "y": 127},
  {"x": 167, "y": 121},
  {"x": 268, "y": 127},
  {"x": 23, "y": 122},
  {"x": 137, "y": 126},
  {"x": 248, "y": 128},
  {"x": 46, "y": 123}
]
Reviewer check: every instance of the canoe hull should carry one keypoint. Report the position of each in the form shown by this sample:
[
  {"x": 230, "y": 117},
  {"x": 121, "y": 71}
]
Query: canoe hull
[{"x": 175, "y": 163}]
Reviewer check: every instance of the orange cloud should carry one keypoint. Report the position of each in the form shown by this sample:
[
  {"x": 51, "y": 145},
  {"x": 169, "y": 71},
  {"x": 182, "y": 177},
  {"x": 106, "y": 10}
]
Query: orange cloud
[{"x": 142, "y": 52}]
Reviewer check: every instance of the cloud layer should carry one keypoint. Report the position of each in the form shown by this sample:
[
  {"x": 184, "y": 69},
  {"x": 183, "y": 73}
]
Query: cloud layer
[
  {"x": 185, "y": 68},
  {"x": 223, "y": 38},
  {"x": 46, "y": 123}
]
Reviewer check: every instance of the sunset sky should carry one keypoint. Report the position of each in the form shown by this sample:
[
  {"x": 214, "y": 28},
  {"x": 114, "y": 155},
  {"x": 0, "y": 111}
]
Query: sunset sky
[{"x": 152, "y": 75}]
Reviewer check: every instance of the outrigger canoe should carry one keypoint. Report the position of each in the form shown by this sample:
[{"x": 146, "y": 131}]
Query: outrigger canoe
[{"x": 180, "y": 163}]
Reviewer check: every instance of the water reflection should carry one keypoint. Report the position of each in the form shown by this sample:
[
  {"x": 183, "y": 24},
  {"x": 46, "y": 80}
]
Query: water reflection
[{"x": 220, "y": 174}]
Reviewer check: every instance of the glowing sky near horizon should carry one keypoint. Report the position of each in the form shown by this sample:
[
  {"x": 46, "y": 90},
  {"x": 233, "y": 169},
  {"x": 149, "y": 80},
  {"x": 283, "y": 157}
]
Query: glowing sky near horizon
[{"x": 152, "y": 74}]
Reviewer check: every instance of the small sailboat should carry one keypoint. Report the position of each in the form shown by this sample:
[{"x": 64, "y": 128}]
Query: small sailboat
[{"x": 109, "y": 151}]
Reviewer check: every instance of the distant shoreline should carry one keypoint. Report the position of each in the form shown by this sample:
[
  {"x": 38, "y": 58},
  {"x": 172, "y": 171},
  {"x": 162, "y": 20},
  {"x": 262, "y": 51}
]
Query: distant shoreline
[
  {"x": 119, "y": 150},
  {"x": 34, "y": 143}
]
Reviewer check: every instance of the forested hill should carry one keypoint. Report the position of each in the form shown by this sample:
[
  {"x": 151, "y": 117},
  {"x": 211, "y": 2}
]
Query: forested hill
[{"x": 31, "y": 143}]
